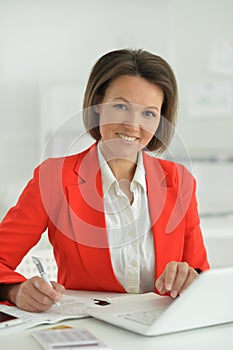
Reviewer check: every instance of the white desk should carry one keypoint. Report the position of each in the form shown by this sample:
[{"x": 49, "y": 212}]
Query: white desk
[{"x": 213, "y": 338}]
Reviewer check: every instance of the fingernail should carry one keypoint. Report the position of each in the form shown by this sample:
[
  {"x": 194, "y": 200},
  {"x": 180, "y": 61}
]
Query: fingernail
[
  {"x": 58, "y": 297},
  {"x": 173, "y": 294},
  {"x": 168, "y": 286}
]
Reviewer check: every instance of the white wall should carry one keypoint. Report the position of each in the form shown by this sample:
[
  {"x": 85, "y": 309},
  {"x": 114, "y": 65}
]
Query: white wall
[
  {"x": 199, "y": 26},
  {"x": 55, "y": 43},
  {"x": 48, "y": 47}
]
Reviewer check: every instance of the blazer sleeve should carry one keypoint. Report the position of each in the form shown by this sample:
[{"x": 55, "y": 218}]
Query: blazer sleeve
[
  {"x": 21, "y": 229},
  {"x": 194, "y": 251}
]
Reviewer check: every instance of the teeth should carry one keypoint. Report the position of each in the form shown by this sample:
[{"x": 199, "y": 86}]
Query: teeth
[{"x": 127, "y": 138}]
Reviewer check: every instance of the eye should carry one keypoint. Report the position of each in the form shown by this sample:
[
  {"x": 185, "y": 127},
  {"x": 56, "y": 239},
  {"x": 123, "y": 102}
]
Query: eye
[
  {"x": 120, "y": 106},
  {"x": 149, "y": 114}
]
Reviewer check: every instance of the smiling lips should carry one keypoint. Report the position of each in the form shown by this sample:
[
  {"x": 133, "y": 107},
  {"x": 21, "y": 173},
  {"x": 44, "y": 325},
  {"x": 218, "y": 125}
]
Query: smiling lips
[{"x": 127, "y": 138}]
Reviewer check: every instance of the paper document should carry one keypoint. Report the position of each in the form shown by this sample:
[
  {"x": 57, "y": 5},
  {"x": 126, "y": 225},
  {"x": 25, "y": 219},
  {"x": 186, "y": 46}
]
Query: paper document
[
  {"x": 71, "y": 338},
  {"x": 74, "y": 305}
]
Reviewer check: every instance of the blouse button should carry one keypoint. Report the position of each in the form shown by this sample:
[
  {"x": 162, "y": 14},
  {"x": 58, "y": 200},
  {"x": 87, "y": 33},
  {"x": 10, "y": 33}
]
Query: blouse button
[{"x": 134, "y": 263}]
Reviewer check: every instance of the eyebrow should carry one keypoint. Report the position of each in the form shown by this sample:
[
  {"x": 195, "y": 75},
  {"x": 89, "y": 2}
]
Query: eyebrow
[{"x": 124, "y": 99}]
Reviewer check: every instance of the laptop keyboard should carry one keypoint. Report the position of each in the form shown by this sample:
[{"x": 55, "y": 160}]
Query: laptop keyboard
[{"x": 145, "y": 317}]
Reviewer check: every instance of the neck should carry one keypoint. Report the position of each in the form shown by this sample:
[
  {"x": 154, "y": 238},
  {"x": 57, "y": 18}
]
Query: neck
[{"x": 122, "y": 168}]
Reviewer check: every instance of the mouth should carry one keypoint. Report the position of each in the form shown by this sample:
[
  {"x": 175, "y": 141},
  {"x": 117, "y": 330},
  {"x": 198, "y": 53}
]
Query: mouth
[{"x": 127, "y": 137}]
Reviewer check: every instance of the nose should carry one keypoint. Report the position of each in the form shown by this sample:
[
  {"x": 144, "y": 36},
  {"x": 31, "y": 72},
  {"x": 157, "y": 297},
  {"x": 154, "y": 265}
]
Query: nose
[{"x": 134, "y": 117}]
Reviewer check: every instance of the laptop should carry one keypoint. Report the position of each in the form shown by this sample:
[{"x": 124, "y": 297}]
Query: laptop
[{"x": 207, "y": 301}]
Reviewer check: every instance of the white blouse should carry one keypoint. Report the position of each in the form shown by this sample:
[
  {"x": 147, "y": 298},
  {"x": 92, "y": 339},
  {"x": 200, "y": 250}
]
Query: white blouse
[{"x": 130, "y": 236}]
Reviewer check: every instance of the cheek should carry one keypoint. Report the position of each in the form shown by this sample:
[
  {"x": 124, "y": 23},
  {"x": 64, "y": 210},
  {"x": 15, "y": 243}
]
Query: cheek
[
  {"x": 106, "y": 131},
  {"x": 106, "y": 118},
  {"x": 150, "y": 128},
  {"x": 102, "y": 129},
  {"x": 103, "y": 126},
  {"x": 147, "y": 136}
]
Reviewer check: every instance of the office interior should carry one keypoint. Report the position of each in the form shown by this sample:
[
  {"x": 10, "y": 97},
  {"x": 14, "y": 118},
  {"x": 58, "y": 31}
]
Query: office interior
[{"x": 47, "y": 51}]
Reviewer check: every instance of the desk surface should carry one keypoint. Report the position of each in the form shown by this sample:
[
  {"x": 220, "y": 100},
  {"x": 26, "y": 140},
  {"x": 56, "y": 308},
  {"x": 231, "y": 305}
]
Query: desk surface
[{"x": 214, "y": 338}]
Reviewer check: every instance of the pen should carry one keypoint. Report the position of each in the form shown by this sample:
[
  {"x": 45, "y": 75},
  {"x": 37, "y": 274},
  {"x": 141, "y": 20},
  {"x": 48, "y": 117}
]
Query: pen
[{"x": 41, "y": 269}]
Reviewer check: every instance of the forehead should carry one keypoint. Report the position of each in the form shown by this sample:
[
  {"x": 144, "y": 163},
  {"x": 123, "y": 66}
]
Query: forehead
[{"x": 135, "y": 89}]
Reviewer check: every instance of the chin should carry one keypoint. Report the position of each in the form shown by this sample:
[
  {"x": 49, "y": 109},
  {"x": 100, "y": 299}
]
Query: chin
[
  {"x": 116, "y": 148},
  {"x": 125, "y": 152}
]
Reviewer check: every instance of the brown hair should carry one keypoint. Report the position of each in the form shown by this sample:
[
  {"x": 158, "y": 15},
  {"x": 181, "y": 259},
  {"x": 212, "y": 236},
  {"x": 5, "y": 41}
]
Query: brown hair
[{"x": 139, "y": 63}]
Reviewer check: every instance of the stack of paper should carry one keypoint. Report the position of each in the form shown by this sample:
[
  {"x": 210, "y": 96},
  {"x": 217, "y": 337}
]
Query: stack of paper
[{"x": 68, "y": 338}]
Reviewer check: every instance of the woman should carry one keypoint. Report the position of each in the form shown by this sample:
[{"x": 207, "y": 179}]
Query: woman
[{"x": 118, "y": 219}]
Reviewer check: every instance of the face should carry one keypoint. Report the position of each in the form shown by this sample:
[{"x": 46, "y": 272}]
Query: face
[{"x": 129, "y": 115}]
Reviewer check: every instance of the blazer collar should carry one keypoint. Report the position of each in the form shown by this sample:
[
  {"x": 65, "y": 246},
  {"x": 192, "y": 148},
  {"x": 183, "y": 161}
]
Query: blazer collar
[{"x": 89, "y": 161}]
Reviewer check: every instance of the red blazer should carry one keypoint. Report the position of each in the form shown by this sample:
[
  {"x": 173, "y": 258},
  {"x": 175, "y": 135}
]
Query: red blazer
[{"x": 65, "y": 197}]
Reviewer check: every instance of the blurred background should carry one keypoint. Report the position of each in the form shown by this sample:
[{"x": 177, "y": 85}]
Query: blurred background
[{"x": 47, "y": 49}]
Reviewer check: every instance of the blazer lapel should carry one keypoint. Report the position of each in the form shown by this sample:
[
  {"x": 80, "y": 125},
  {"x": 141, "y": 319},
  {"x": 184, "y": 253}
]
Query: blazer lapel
[
  {"x": 162, "y": 199},
  {"x": 86, "y": 208}
]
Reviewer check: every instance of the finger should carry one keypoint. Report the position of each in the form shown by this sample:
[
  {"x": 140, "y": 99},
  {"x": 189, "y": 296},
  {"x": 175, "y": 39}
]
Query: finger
[
  {"x": 181, "y": 277},
  {"x": 30, "y": 297},
  {"x": 192, "y": 275},
  {"x": 25, "y": 298},
  {"x": 160, "y": 283},
  {"x": 58, "y": 287},
  {"x": 165, "y": 282},
  {"x": 41, "y": 299},
  {"x": 32, "y": 305},
  {"x": 44, "y": 288},
  {"x": 170, "y": 277}
]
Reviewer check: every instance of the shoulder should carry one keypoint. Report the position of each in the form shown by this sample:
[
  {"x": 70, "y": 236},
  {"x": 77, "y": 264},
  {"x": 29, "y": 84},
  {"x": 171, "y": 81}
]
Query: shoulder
[
  {"x": 177, "y": 173},
  {"x": 174, "y": 174},
  {"x": 64, "y": 167},
  {"x": 172, "y": 168},
  {"x": 168, "y": 165},
  {"x": 66, "y": 161}
]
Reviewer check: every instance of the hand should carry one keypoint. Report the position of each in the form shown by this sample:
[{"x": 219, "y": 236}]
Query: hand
[
  {"x": 176, "y": 277},
  {"x": 35, "y": 294}
]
